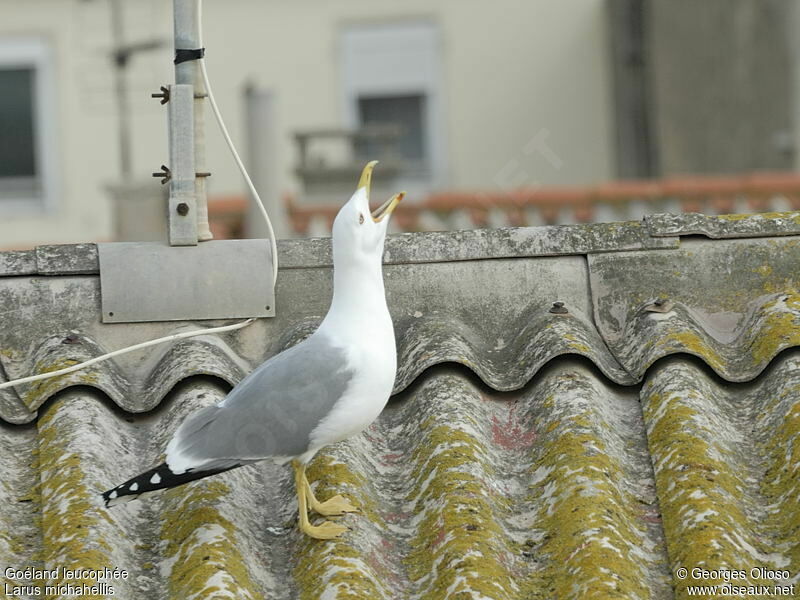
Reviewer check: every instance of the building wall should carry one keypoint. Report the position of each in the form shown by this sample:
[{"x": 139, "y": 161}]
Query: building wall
[
  {"x": 85, "y": 136},
  {"x": 525, "y": 92},
  {"x": 723, "y": 88},
  {"x": 790, "y": 27}
]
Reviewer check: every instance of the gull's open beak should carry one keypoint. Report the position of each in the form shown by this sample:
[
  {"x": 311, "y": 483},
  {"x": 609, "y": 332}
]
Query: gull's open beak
[{"x": 387, "y": 208}]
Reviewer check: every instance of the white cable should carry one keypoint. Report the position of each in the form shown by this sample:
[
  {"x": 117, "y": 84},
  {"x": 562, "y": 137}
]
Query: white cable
[
  {"x": 273, "y": 245},
  {"x": 232, "y": 148},
  {"x": 168, "y": 338}
]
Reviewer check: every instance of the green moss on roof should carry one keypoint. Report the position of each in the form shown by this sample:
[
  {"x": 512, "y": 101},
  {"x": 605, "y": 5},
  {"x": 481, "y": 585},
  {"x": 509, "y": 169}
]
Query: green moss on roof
[
  {"x": 698, "y": 493},
  {"x": 774, "y": 327},
  {"x": 705, "y": 489},
  {"x": 690, "y": 342},
  {"x": 590, "y": 544},
  {"x": 335, "y": 564},
  {"x": 69, "y": 512},
  {"x": 779, "y": 328},
  {"x": 459, "y": 548},
  {"x": 38, "y": 391},
  {"x": 575, "y": 344},
  {"x": 781, "y": 482},
  {"x": 203, "y": 544}
]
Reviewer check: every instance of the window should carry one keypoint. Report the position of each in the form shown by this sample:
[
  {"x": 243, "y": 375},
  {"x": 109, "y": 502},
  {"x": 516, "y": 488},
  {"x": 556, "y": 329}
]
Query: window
[
  {"x": 25, "y": 124},
  {"x": 17, "y": 160},
  {"x": 406, "y": 112},
  {"x": 391, "y": 78}
]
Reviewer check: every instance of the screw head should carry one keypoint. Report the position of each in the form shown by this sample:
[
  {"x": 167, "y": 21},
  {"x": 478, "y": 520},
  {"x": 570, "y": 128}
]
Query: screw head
[
  {"x": 182, "y": 209},
  {"x": 662, "y": 304},
  {"x": 558, "y": 308}
]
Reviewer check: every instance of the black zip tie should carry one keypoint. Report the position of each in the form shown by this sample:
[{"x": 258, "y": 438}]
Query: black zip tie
[{"x": 182, "y": 55}]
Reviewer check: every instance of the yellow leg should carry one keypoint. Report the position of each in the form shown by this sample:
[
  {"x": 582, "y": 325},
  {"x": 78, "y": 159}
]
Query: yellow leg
[
  {"x": 337, "y": 505},
  {"x": 327, "y": 530}
]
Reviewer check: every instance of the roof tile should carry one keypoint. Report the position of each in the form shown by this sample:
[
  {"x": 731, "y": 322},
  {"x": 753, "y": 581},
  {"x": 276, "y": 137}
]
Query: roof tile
[{"x": 726, "y": 466}]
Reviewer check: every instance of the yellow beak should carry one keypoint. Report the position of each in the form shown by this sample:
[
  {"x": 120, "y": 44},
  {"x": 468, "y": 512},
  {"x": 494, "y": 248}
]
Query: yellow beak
[
  {"x": 366, "y": 176},
  {"x": 387, "y": 208}
]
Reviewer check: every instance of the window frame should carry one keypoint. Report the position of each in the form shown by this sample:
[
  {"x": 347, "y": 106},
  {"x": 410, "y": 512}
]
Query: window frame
[
  {"x": 33, "y": 52},
  {"x": 377, "y": 82}
]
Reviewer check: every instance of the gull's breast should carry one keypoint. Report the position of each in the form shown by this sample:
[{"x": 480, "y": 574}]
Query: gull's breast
[{"x": 374, "y": 364}]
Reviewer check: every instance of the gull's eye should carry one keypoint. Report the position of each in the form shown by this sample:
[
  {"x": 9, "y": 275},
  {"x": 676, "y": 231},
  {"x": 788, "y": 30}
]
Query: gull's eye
[{"x": 360, "y": 218}]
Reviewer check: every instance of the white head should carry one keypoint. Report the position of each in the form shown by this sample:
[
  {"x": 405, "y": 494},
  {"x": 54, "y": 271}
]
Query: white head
[{"x": 358, "y": 234}]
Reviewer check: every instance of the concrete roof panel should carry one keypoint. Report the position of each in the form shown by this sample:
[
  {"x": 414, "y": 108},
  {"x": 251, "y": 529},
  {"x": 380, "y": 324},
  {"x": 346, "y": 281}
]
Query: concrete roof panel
[{"x": 526, "y": 453}]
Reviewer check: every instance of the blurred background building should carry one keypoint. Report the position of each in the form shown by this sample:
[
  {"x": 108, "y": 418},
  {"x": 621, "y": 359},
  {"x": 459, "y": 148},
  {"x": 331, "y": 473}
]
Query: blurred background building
[{"x": 488, "y": 113}]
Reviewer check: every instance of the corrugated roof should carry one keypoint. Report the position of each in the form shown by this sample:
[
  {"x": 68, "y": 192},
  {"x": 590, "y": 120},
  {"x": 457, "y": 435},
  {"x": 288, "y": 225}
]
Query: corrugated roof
[{"x": 528, "y": 452}]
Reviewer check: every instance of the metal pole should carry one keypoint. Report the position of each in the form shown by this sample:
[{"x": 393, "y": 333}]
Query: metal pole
[{"x": 187, "y": 37}]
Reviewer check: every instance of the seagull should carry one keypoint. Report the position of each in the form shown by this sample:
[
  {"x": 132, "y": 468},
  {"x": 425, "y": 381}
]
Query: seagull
[{"x": 325, "y": 389}]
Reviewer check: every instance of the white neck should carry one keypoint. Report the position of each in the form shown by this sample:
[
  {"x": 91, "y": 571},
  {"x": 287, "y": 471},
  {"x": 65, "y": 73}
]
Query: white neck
[{"x": 359, "y": 298}]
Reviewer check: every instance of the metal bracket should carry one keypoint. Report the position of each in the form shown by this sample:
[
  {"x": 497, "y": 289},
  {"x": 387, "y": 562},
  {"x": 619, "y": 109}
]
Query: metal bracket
[
  {"x": 151, "y": 281},
  {"x": 182, "y": 200}
]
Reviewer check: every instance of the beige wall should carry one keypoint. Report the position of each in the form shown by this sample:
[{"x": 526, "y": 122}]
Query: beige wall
[
  {"x": 85, "y": 136},
  {"x": 514, "y": 72}
]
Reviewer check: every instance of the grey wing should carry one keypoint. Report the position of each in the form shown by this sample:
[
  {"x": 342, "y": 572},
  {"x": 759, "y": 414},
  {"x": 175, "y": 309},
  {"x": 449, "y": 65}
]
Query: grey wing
[{"x": 272, "y": 411}]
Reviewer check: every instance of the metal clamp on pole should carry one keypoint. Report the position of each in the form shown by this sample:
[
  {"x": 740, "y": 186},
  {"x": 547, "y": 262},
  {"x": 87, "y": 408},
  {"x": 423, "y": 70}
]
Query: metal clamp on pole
[{"x": 182, "y": 214}]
